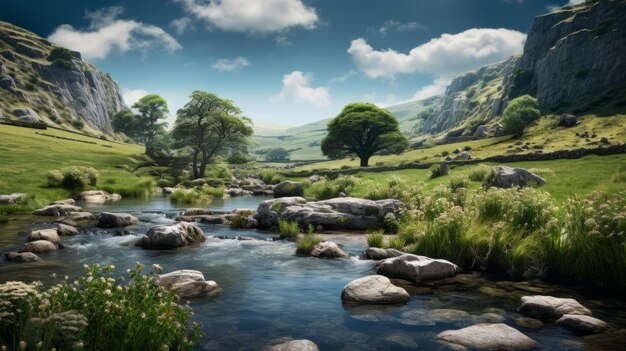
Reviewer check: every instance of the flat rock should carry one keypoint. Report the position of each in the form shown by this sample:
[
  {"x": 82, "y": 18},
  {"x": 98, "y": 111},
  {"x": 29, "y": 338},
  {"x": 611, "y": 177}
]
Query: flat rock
[
  {"x": 22, "y": 257},
  {"x": 187, "y": 283},
  {"x": 63, "y": 202},
  {"x": 402, "y": 340},
  {"x": 116, "y": 220},
  {"x": 375, "y": 253},
  {"x": 374, "y": 289},
  {"x": 582, "y": 324},
  {"x": 416, "y": 268},
  {"x": 66, "y": 230},
  {"x": 488, "y": 337},
  {"x": 548, "y": 307},
  {"x": 328, "y": 249},
  {"x": 98, "y": 196},
  {"x": 40, "y": 246},
  {"x": 296, "y": 345},
  {"x": 171, "y": 236},
  {"x": 44, "y": 234},
  {"x": 57, "y": 210}
]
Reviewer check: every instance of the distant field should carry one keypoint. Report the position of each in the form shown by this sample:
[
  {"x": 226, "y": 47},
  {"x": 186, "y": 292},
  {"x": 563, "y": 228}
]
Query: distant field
[{"x": 26, "y": 157}]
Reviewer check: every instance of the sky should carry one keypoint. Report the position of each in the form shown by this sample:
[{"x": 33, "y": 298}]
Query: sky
[{"x": 284, "y": 62}]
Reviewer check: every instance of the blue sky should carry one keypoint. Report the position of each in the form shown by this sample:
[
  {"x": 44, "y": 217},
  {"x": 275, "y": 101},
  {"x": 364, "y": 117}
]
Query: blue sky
[{"x": 285, "y": 62}]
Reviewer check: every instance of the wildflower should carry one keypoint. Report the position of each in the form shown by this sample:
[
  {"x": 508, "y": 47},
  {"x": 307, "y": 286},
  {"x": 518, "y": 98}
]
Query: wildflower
[
  {"x": 22, "y": 344},
  {"x": 90, "y": 279},
  {"x": 157, "y": 268},
  {"x": 79, "y": 345},
  {"x": 143, "y": 315},
  {"x": 108, "y": 303},
  {"x": 65, "y": 295},
  {"x": 139, "y": 266},
  {"x": 107, "y": 292},
  {"x": 54, "y": 275},
  {"x": 85, "y": 266},
  {"x": 128, "y": 271}
]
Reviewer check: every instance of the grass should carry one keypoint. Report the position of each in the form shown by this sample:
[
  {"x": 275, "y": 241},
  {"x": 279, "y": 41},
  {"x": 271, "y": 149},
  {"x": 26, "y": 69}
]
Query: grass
[
  {"x": 307, "y": 242},
  {"x": 288, "y": 230},
  {"x": 328, "y": 189},
  {"x": 26, "y": 158},
  {"x": 97, "y": 311},
  {"x": 375, "y": 239},
  {"x": 196, "y": 196}
]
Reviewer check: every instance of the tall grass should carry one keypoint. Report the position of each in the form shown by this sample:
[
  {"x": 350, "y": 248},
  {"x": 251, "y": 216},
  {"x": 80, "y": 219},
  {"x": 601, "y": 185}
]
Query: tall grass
[
  {"x": 288, "y": 229},
  {"x": 328, "y": 189},
  {"x": 307, "y": 242},
  {"x": 143, "y": 188},
  {"x": 196, "y": 196},
  {"x": 271, "y": 177},
  {"x": 375, "y": 239}
]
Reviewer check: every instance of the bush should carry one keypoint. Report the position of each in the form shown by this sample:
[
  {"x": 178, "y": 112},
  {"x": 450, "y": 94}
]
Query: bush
[
  {"x": 288, "y": 230},
  {"x": 218, "y": 172},
  {"x": 96, "y": 312},
  {"x": 375, "y": 239},
  {"x": 163, "y": 183},
  {"x": 78, "y": 124},
  {"x": 329, "y": 189},
  {"x": 307, "y": 242},
  {"x": 445, "y": 153},
  {"x": 271, "y": 177},
  {"x": 390, "y": 223},
  {"x": 239, "y": 221},
  {"x": 396, "y": 242},
  {"x": 457, "y": 182},
  {"x": 435, "y": 171},
  {"x": 196, "y": 196},
  {"x": 73, "y": 178},
  {"x": 54, "y": 178},
  {"x": 479, "y": 173},
  {"x": 61, "y": 57}
]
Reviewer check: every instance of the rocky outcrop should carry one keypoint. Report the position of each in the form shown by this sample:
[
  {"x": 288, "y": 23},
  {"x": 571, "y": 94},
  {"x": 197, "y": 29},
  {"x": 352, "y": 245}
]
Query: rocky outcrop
[
  {"x": 509, "y": 177},
  {"x": 567, "y": 121},
  {"x": 22, "y": 257},
  {"x": 416, "y": 268},
  {"x": 582, "y": 324},
  {"x": 374, "y": 289},
  {"x": 488, "y": 337},
  {"x": 116, "y": 220},
  {"x": 549, "y": 307},
  {"x": 171, "y": 236},
  {"x": 187, "y": 283}
]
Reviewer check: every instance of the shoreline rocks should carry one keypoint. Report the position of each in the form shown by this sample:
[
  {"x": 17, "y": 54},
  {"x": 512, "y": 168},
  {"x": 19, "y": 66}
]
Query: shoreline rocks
[
  {"x": 57, "y": 210},
  {"x": 374, "y": 289},
  {"x": 98, "y": 196},
  {"x": 44, "y": 234},
  {"x": 328, "y": 249},
  {"x": 40, "y": 246},
  {"x": 582, "y": 324},
  {"x": 375, "y": 253},
  {"x": 172, "y": 236},
  {"x": 488, "y": 337},
  {"x": 12, "y": 198},
  {"x": 416, "y": 268},
  {"x": 550, "y": 308},
  {"x": 116, "y": 220},
  {"x": 187, "y": 283},
  {"x": 296, "y": 345},
  {"x": 22, "y": 257}
]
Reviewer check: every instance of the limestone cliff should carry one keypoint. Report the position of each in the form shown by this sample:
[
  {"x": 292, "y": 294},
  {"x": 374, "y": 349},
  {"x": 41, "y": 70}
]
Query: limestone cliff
[{"x": 67, "y": 92}]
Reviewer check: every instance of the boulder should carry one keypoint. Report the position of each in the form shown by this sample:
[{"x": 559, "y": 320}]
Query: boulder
[
  {"x": 116, "y": 220},
  {"x": 268, "y": 211},
  {"x": 171, "y": 236},
  {"x": 40, "y": 246},
  {"x": 548, "y": 307},
  {"x": 375, "y": 253},
  {"x": 168, "y": 190},
  {"x": 44, "y": 234},
  {"x": 296, "y": 345},
  {"x": 374, "y": 289},
  {"x": 7, "y": 83},
  {"x": 206, "y": 219},
  {"x": 98, "y": 196},
  {"x": 314, "y": 178},
  {"x": 488, "y": 337},
  {"x": 64, "y": 201},
  {"x": 57, "y": 210},
  {"x": 80, "y": 219},
  {"x": 464, "y": 155},
  {"x": 288, "y": 189},
  {"x": 328, "y": 249},
  {"x": 12, "y": 198},
  {"x": 509, "y": 177},
  {"x": 66, "y": 230},
  {"x": 568, "y": 121},
  {"x": 187, "y": 283},
  {"x": 416, "y": 268},
  {"x": 22, "y": 257},
  {"x": 582, "y": 324}
]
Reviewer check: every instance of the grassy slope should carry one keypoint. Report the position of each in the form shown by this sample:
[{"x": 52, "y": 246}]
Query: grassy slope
[{"x": 26, "y": 158}]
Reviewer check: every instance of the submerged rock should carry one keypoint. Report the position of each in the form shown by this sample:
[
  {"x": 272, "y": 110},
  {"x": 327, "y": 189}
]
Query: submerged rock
[
  {"x": 116, "y": 220},
  {"x": 527, "y": 322},
  {"x": 296, "y": 345},
  {"x": 509, "y": 177},
  {"x": 40, "y": 246},
  {"x": 582, "y": 324},
  {"x": 488, "y": 337},
  {"x": 22, "y": 257},
  {"x": 57, "y": 210},
  {"x": 187, "y": 283},
  {"x": 549, "y": 307},
  {"x": 171, "y": 236},
  {"x": 44, "y": 234},
  {"x": 328, "y": 249},
  {"x": 374, "y": 289},
  {"x": 416, "y": 268}
]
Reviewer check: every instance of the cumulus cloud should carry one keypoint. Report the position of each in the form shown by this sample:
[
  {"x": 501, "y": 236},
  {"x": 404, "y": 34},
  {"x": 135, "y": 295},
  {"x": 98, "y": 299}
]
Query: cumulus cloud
[
  {"x": 133, "y": 95},
  {"x": 392, "y": 25},
  {"x": 344, "y": 77},
  {"x": 438, "y": 87},
  {"x": 230, "y": 65},
  {"x": 297, "y": 89},
  {"x": 181, "y": 24},
  {"x": 259, "y": 16},
  {"x": 106, "y": 34}
]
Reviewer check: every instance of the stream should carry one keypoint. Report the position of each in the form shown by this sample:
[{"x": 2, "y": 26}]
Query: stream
[{"x": 268, "y": 293}]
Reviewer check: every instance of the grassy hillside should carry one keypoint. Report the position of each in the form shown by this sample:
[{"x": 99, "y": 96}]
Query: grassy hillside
[{"x": 26, "y": 157}]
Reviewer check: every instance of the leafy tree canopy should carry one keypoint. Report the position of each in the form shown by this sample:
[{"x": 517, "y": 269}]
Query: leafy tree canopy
[
  {"x": 148, "y": 123},
  {"x": 277, "y": 155},
  {"x": 520, "y": 113}
]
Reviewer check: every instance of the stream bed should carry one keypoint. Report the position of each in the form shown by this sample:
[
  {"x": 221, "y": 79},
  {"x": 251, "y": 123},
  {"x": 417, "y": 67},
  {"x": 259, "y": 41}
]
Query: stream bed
[{"x": 268, "y": 293}]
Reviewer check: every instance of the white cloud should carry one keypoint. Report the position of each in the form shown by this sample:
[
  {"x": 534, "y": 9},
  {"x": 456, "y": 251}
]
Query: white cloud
[
  {"x": 181, "y": 24},
  {"x": 297, "y": 89},
  {"x": 397, "y": 26},
  {"x": 344, "y": 77},
  {"x": 552, "y": 8},
  {"x": 230, "y": 65},
  {"x": 438, "y": 87},
  {"x": 133, "y": 95},
  {"x": 262, "y": 16},
  {"x": 106, "y": 33}
]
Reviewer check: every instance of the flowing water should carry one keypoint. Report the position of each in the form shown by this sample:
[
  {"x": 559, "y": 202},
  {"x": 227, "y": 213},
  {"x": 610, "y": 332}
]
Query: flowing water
[{"x": 268, "y": 293}]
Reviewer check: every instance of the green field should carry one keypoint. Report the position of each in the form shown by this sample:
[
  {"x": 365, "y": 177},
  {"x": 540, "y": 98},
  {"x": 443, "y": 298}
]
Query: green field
[{"x": 26, "y": 157}]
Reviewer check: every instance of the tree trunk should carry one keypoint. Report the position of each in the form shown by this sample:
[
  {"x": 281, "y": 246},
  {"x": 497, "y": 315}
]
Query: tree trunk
[
  {"x": 195, "y": 164},
  {"x": 364, "y": 161},
  {"x": 203, "y": 165}
]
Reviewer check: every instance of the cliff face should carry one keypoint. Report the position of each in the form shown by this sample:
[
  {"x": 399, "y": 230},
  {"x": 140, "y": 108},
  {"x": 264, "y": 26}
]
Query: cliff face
[{"x": 69, "y": 93}]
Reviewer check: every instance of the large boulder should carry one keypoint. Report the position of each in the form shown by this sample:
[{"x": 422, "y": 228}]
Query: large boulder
[
  {"x": 375, "y": 253},
  {"x": 80, "y": 219},
  {"x": 268, "y": 211},
  {"x": 40, "y": 246},
  {"x": 374, "y": 289},
  {"x": 416, "y": 268},
  {"x": 12, "y": 198},
  {"x": 187, "y": 283},
  {"x": 57, "y": 210},
  {"x": 171, "y": 236},
  {"x": 548, "y": 307},
  {"x": 328, "y": 249},
  {"x": 314, "y": 178},
  {"x": 582, "y": 324},
  {"x": 567, "y": 120},
  {"x": 66, "y": 230},
  {"x": 22, "y": 257},
  {"x": 116, "y": 220},
  {"x": 296, "y": 345},
  {"x": 509, "y": 177},
  {"x": 288, "y": 189},
  {"x": 488, "y": 337},
  {"x": 98, "y": 196},
  {"x": 463, "y": 156},
  {"x": 44, "y": 234}
]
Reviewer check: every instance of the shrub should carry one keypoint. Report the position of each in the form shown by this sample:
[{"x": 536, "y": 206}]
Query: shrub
[
  {"x": 54, "y": 178},
  {"x": 375, "y": 239},
  {"x": 218, "y": 172},
  {"x": 96, "y": 311},
  {"x": 396, "y": 242},
  {"x": 288, "y": 229},
  {"x": 78, "y": 124},
  {"x": 457, "y": 182},
  {"x": 307, "y": 242},
  {"x": 390, "y": 223},
  {"x": 73, "y": 178},
  {"x": 328, "y": 189},
  {"x": 479, "y": 173},
  {"x": 271, "y": 177},
  {"x": 239, "y": 221},
  {"x": 61, "y": 57},
  {"x": 435, "y": 171},
  {"x": 164, "y": 183},
  {"x": 445, "y": 153},
  {"x": 197, "y": 196}
]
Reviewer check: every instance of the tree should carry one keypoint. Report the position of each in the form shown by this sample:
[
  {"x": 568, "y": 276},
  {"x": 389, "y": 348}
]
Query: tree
[
  {"x": 519, "y": 113},
  {"x": 363, "y": 129},
  {"x": 148, "y": 126},
  {"x": 210, "y": 126},
  {"x": 278, "y": 154},
  {"x": 125, "y": 122}
]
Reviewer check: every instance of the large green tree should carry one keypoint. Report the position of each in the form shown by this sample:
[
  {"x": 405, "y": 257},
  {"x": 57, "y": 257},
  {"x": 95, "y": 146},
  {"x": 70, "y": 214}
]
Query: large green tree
[
  {"x": 210, "y": 126},
  {"x": 278, "y": 154},
  {"x": 363, "y": 130},
  {"x": 519, "y": 113},
  {"x": 148, "y": 125}
]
